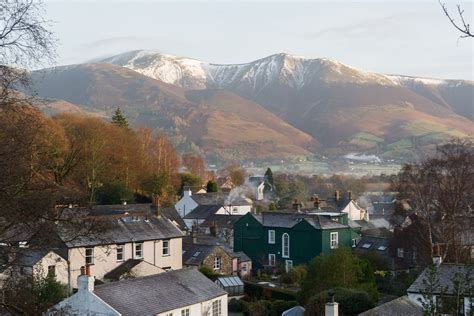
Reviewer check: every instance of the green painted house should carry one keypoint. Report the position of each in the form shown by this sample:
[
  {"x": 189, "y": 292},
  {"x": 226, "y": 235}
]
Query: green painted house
[{"x": 281, "y": 238}]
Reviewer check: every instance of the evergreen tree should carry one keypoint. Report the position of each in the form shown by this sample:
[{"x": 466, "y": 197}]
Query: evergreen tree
[
  {"x": 119, "y": 119},
  {"x": 211, "y": 186},
  {"x": 269, "y": 184}
]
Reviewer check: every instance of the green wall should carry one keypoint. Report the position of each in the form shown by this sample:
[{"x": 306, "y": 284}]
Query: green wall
[{"x": 306, "y": 242}]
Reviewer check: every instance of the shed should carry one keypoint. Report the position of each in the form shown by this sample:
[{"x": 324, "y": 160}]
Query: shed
[{"x": 232, "y": 285}]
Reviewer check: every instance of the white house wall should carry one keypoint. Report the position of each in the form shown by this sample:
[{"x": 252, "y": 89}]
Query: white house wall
[
  {"x": 105, "y": 257},
  {"x": 200, "y": 309},
  {"x": 83, "y": 303},
  {"x": 241, "y": 210},
  {"x": 185, "y": 205},
  {"x": 52, "y": 259}
]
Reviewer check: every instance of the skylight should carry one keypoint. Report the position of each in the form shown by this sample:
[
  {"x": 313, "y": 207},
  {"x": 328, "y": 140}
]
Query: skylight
[
  {"x": 197, "y": 253},
  {"x": 382, "y": 248},
  {"x": 366, "y": 246}
]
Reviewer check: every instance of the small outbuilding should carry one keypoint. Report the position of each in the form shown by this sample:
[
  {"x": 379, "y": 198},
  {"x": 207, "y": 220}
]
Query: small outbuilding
[{"x": 232, "y": 285}]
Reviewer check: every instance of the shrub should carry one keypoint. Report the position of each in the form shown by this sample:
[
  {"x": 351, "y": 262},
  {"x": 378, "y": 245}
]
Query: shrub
[
  {"x": 208, "y": 272},
  {"x": 350, "y": 302},
  {"x": 238, "y": 306},
  {"x": 279, "y": 306}
]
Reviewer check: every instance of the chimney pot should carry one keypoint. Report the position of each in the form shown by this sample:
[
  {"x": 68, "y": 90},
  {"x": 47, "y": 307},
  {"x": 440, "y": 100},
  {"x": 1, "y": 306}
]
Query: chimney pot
[
  {"x": 331, "y": 308},
  {"x": 83, "y": 270},
  {"x": 349, "y": 195},
  {"x": 88, "y": 270}
]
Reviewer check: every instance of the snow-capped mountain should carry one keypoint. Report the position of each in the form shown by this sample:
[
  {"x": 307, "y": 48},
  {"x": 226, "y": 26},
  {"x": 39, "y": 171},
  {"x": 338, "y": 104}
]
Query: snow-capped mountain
[{"x": 295, "y": 71}]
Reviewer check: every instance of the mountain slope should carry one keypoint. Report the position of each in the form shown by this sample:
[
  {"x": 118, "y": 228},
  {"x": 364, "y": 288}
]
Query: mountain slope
[
  {"x": 219, "y": 123},
  {"x": 340, "y": 106}
]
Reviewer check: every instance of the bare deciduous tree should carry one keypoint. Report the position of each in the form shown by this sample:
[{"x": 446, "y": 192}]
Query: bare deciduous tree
[
  {"x": 462, "y": 26},
  {"x": 25, "y": 42},
  {"x": 441, "y": 191}
]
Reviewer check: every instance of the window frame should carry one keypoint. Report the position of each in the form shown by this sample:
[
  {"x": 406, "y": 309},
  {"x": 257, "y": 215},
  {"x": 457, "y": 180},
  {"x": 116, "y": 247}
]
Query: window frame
[
  {"x": 334, "y": 244},
  {"x": 120, "y": 247},
  {"x": 271, "y": 232},
  {"x": 135, "y": 256},
  {"x": 185, "y": 312},
  {"x": 400, "y": 253},
  {"x": 52, "y": 271},
  {"x": 167, "y": 252},
  {"x": 217, "y": 263},
  {"x": 89, "y": 258},
  {"x": 285, "y": 253},
  {"x": 270, "y": 263},
  {"x": 216, "y": 308},
  {"x": 288, "y": 265}
]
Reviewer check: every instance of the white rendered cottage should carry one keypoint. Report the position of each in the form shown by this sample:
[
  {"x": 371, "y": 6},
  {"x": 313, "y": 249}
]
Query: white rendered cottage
[{"x": 185, "y": 292}]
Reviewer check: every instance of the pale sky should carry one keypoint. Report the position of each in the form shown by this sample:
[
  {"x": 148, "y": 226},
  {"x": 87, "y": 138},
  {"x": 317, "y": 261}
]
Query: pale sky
[{"x": 397, "y": 37}]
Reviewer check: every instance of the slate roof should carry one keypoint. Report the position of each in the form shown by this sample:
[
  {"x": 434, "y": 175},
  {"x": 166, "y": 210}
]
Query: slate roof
[
  {"x": 219, "y": 198},
  {"x": 378, "y": 245},
  {"x": 125, "y": 267},
  {"x": 221, "y": 220},
  {"x": 294, "y": 311},
  {"x": 290, "y": 219},
  {"x": 398, "y": 307},
  {"x": 194, "y": 254},
  {"x": 157, "y": 294},
  {"x": 123, "y": 230},
  {"x": 173, "y": 215},
  {"x": 445, "y": 272},
  {"x": 202, "y": 211},
  {"x": 242, "y": 256}
]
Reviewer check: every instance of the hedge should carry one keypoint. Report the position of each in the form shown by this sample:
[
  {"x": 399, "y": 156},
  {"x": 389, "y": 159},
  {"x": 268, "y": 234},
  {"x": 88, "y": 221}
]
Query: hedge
[{"x": 267, "y": 293}]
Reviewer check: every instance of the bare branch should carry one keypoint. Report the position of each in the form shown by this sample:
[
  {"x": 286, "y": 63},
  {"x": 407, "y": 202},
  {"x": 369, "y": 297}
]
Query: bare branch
[{"x": 462, "y": 27}]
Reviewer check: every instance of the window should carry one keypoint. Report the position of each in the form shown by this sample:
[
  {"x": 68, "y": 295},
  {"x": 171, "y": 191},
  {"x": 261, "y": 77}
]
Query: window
[
  {"x": 244, "y": 268},
  {"x": 381, "y": 248},
  {"x": 169, "y": 314},
  {"x": 366, "y": 246},
  {"x": 166, "y": 247},
  {"x": 271, "y": 260},
  {"x": 216, "y": 308},
  {"x": 138, "y": 250},
  {"x": 119, "y": 252},
  {"x": 185, "y": 312},
  {"x": 285, "y": 245},
  {"x": 334, "y": 240},
  {"x": 89, "y": 255},
  {"x": 288, "y": 265},
  {"x": 354, "y": 243},
  {"x": 217, "y": 263},
  {"x": 52, "y": 271},
  {"x": 271, "y": 236},
  {"x": 400, "y": 253}
]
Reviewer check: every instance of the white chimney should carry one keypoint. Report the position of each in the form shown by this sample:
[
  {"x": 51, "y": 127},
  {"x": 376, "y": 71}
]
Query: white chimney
[
  {"x": 187, "y": 192},
  {"x": 331, "y": 308},
  {"x": 85, "y": 282},
  {"x": 437, "y": 260}
]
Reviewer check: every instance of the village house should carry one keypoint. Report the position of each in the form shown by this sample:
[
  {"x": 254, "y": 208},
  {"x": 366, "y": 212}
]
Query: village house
[
  {"x": 184, "y": 292},
  {"x": 257, "y": 184},
  {"x": 228, "y": 203},
  {"x": 289, "y": 238},
  {"x": 455, "y": 287},
  {"x": 219, "y": 258},
  {"x": 131, "y": 232},
  {"x": 26, "y": 263}
]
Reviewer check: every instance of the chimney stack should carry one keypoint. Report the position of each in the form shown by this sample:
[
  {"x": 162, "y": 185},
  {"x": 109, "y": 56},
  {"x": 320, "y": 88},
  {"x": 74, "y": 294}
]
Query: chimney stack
[
  {"x": 331, "y": 308},
  {"x": 85, "y": 282},
  {"x": 187, "y": 191},
  {"x": 437, "y": 259},
  {"x": 296, "y": 205},
  {"x": 337, "y": 195},
  {"x": 316, "y": 202},
  {"x": 349, "y": 195}
]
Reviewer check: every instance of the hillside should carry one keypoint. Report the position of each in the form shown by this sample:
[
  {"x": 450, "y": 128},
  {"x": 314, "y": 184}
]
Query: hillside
[
  {"x": 217, "y": 123},
  {"x": 342, "y": 107}
]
